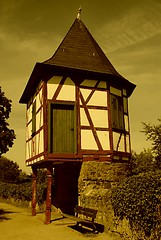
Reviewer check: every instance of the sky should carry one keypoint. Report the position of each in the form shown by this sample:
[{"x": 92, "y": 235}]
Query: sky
[{"x": 128, "y": 31}]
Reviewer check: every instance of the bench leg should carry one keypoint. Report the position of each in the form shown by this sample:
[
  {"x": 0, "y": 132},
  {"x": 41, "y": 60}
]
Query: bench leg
[
  {"x": 94, "y": 228},
  {"x": 77, "y": 224}
]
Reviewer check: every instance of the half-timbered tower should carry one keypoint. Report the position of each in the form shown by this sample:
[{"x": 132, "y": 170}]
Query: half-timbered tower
[{"x": 77, "y": 106}]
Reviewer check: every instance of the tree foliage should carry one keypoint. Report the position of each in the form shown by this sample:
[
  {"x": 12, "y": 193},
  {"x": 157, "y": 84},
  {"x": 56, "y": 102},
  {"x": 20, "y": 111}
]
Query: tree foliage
[
  {"x": 9, "y": 171},
  {"x": 142, "y": 162},
  {"x": 7, "y": 135},
  {"x": 153, "y": 133}
]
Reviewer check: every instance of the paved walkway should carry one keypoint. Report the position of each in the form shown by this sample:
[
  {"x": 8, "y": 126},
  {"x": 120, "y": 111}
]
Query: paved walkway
[{"x": 17, "y": 224}]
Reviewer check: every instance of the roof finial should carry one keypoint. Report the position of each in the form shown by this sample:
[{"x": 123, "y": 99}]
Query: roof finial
[{"x": 79, "y": 13}]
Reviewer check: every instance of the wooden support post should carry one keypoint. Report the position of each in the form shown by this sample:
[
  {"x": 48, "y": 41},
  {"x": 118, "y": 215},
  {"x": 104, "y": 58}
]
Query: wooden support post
[
  {"x": 34, "y": 176},
  {"x": 48, "y": 194}
]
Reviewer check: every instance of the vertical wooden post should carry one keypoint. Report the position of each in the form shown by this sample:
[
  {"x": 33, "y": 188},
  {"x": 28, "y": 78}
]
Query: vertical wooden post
[
  {"x": 34, "y": 176},
  {"x": 48, "y": 194}
]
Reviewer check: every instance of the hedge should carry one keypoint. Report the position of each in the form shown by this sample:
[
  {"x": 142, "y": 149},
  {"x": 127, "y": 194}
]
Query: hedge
[
  {"x": 138, "y": 199},
  {"x": 22, "y": 192}
]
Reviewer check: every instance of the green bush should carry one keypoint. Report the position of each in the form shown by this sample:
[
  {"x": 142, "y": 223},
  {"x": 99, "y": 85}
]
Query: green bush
[
  {"x": 22, "y": 192},
  {"x": 19, "y": 192},
  {"x": 138, "y": 199}
]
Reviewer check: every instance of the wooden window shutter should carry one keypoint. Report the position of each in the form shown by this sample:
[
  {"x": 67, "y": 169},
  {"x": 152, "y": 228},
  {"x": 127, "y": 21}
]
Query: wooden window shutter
[{"x": 117, "y": 112}]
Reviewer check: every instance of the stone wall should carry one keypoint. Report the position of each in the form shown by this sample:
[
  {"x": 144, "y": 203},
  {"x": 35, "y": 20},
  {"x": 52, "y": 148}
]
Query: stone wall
[{"x": 95, "y": 185}]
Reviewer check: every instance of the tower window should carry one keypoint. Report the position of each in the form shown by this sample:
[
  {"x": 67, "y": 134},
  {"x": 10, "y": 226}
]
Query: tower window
[{"x": 117, "y": 112}]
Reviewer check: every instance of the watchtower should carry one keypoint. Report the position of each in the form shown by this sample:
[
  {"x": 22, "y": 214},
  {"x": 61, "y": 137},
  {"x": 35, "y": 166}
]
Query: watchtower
[{"x": 77, "y": 110}]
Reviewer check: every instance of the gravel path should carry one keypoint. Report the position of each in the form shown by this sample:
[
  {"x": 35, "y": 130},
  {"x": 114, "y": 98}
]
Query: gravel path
[{"x": 17, "y": 224}]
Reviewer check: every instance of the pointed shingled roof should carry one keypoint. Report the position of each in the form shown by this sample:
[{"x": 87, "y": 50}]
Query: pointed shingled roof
[{"x": 79, "y": 50}]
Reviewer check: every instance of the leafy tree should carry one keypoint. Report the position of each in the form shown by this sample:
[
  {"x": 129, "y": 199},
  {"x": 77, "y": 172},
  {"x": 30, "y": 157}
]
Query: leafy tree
[
  {"x": 7, "y": 135},
  {"x": 153, "y": 133},
  {"x": 24, "y": 177},
  {"x": 9, "y": 170},
  {"x": 142, "y": 162}
]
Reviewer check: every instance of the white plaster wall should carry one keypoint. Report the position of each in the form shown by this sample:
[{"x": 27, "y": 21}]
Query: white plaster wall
[
  {"x": 88, "y": 83},
  {"x": 39, "y": 119},
  {"x": 122, "y": 144},
  {"x": 40, "y": 142},
  {"x": 99, "y": 98},
  {"x": 99, "y": 117},
  {"x": 104, "y": 139},
  {"x": 29, "y": 130},
  {"x": 126, "y": 123},
  {"x": 35, "y": 146},
  {"x": 116, "y": 91},
  {"x": 39, "y": 100},
  {"x": 102, "y": 85},
  {"x": 83, "y": 118},
  {"x": 85, "y": 93},
  {"x": 124, "y": 92},
  {"x": 52, "y": 85},
  {"x": 29, "y": 113},
  {"x": 67, "y": 92},
  {"x": 87, "y": 140},
  {"x": 28, "y": 150},
  {"x": 128, "y": 143},
  {"x": 125, "y": 104},
  {"x": 116, "y": 137}
]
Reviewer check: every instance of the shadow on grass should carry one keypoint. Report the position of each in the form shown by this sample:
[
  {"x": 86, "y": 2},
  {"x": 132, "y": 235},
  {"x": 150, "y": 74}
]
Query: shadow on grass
[{"x": 3, "y": 215}]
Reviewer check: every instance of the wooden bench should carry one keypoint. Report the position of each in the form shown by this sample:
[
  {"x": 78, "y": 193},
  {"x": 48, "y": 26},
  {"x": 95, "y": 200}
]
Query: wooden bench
[{"x": 84, "y": 216}]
